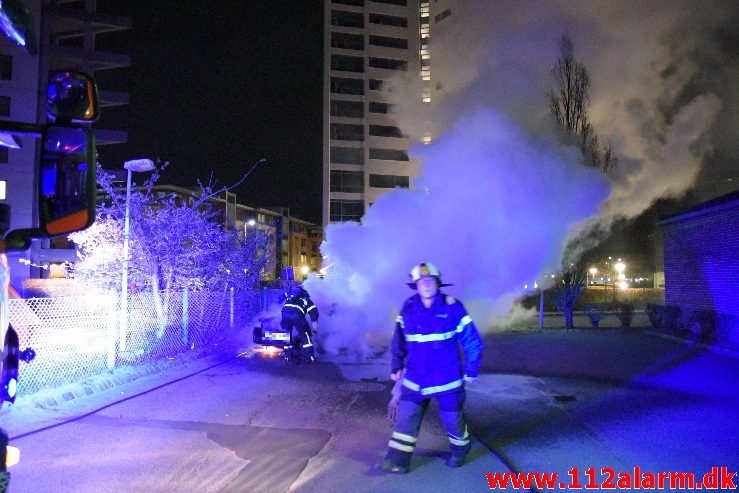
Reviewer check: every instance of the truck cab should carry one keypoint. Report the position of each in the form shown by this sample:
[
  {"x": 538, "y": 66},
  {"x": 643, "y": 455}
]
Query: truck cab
[{"x": 65, "y": 182}]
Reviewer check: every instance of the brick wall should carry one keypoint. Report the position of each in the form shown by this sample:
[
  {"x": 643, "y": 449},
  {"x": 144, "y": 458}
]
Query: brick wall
[{"x": 701, "y": 259}]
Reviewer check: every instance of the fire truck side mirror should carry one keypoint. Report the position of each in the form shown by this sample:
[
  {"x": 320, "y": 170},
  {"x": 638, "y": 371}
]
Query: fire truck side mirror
[
  {"x": 67, "y": 180},
  {"x": 71, "y": 97}
]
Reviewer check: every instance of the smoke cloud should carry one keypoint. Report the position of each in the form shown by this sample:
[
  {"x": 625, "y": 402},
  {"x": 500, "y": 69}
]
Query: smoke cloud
[{"x": 499, "y": 194}]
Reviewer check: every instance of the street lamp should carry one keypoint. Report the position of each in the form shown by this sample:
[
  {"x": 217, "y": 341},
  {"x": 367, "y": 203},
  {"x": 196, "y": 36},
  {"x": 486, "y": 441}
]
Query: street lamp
[
  {"x": 620, "y": 267},
  {"x": 593, "y": 271},
  {"x": 139, "y": 165}
]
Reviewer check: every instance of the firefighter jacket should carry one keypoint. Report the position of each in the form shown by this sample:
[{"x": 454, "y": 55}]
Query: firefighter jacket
[
  {"x": 426, "y": 344},
  {"x": 301, "y": 304}
]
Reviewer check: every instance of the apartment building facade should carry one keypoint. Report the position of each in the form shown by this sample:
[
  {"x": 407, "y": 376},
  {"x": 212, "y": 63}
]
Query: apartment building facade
[{"x": 366, "y": 44}]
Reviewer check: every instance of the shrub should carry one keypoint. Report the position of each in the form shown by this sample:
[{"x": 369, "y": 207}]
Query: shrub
[
  {"x": 671, "y": 318},
  {"x": 706, "y": 324},
  {"x": 594, "y": 314},
  {"x": 625, "y": 313},
  {"x": 656, "y": 314}
]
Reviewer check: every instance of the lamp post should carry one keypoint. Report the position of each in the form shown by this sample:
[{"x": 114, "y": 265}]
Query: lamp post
[
  {"x": 139, "y": 165},
  {"x": 620, "y": 267},
  {"x": 593, "y": 271}
]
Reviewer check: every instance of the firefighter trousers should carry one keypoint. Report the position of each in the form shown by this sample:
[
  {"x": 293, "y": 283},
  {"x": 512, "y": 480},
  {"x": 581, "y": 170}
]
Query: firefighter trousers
[{"x": 411, "y": 409}]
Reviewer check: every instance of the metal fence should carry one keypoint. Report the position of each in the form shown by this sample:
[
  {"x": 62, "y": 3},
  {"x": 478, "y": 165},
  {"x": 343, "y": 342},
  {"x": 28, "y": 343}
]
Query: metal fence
[{"x": 76, "y": 337}]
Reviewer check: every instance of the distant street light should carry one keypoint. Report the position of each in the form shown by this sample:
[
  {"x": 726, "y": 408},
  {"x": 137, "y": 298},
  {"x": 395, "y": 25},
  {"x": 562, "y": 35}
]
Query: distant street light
[
  {"x": 620, "y": 267},
  {"x": 138, "y": 165},
  {"x": 593, "y": 271}
]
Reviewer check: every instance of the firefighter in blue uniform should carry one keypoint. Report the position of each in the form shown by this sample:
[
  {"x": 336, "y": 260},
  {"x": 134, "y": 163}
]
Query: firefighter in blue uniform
[
  {"x": 297, "y": 305},
  {"x": 426, "y": 359}
]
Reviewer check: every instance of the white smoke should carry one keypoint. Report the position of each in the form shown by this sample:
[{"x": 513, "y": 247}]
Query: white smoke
[
  {"x": 497, "y": 197},
  {"x": 481, "y": 210}
]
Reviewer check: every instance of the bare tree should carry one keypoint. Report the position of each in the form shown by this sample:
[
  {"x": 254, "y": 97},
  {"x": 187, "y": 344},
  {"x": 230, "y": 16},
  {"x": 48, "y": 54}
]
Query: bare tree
[
  {"x": 569, "y": 289},
  {"x": 569, "y": 105}
]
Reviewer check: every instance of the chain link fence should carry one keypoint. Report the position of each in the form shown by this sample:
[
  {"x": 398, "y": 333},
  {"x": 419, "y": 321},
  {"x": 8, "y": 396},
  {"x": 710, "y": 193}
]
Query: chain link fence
[{"x": 77, "y": 337}]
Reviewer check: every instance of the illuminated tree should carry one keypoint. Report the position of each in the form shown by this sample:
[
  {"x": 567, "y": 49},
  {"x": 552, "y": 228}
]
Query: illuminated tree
[
  {"x": 569, "y": 105},
  {"x": 175, "y": 242}
]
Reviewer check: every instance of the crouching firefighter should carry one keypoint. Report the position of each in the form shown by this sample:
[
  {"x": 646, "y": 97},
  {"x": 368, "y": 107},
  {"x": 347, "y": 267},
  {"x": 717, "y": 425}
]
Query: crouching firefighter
[
  {"x": 297, "y": 305},
  {"x": 426, "y": 360}
]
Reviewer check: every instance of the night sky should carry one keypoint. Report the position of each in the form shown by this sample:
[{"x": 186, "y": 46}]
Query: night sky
[{"x": 216, "y": 86}]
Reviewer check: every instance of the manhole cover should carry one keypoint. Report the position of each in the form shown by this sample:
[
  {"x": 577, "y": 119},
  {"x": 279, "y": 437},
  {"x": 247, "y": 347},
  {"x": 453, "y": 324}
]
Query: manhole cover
[
  {"x": 362, "y": 387},
  {"x": 564, "y": 398}
]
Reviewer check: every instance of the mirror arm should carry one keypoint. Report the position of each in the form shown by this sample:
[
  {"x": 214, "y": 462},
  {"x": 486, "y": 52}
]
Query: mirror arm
[
  {"x": 21, "y": 129},
  {"x": 19, "y": 240}
]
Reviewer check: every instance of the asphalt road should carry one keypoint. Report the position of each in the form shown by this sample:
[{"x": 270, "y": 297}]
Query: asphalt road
[{"x": 546, "y": 401}]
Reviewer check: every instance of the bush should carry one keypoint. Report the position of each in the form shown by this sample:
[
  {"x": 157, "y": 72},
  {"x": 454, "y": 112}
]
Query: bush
[
  {"x": 625, "y": 313},
  {"x": 664, "y": 317},
  {"x": 706, "y": 324},
  {"x": 672, "y": 318},
  {"x": 656, "y": 314},
  {"x": 594, "y": 314}
]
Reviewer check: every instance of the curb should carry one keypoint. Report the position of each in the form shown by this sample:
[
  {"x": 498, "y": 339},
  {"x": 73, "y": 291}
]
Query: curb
[
  {"x": 51, "y": 398},
  {"x": 724, "y": 351}
]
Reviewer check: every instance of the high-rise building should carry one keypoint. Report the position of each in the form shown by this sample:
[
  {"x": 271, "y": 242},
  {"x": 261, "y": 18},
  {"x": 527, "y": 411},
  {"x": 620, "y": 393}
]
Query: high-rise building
[{"x": 366, "y": 44}]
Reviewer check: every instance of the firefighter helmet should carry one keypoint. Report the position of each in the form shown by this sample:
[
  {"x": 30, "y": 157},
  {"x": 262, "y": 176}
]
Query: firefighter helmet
[
  {"x": 295, "y": 291},
  {"x": 425, "y": 269}
]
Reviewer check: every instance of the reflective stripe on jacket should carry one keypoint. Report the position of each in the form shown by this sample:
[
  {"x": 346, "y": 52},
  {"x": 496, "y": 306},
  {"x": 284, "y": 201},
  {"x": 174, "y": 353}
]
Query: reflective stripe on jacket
[
  {"x": 302, "y": 304},
  {"x": 426, "y": 343}
]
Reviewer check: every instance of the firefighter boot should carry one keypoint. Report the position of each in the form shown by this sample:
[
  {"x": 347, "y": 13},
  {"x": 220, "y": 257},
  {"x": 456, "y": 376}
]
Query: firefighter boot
[
  {"x": 458, "y": 455},
  {"x": 396, "y": 462}
]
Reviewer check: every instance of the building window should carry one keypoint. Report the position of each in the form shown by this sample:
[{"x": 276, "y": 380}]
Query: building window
[
  {"x": 388, "y": 181},
  {"x": 4, "y": 106},
  {"x": 343, "y": 131},
  {"x": 375, "y": 84},
  {"x": 438, "y": 18},
  {"x": 388, "y": 63},
  {"x": 340, "y": 85},
  {"x": 401, "y": 43},
  {"x": 3, "y": 186},
  {"x": 347, "y": 155},
  {"x": 388, "y": 154},
  {"x": 388, "y": 20},
  {"x": 347, "y": 19},
  {"x": 353, "y": 3},
  {"x": 347, "y": 41},
  {"x": 385, "y": 131},
  {"x": 3, "y": 154},
  {"x": 375, "y": 107},
  {"x": 346, "y": 210},
  {"x": 352, "y": 109},
  {"x": 347, "y": 63},
  {"x": 426, "y": 95},
  {"x": 6, "y": 67},
  {"x": 347, "y": 181},
  {"x": 403, "y": 3}
]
